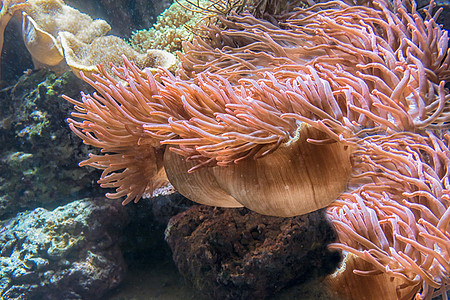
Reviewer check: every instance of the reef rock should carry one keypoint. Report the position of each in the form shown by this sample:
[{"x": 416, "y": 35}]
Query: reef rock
[
  {"x": 239, "y": 254},
  {"x": 38, "y": 153},
  {"x": 71, "y": 252}
]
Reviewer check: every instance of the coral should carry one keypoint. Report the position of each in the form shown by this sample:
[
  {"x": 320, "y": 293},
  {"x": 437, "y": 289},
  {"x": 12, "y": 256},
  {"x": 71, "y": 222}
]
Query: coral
[
  {"x": 54, "y": 16},
  {"x": 123, "y": 16},
  {"x": 184, "y": 20},
  {"x": 83, "y": 57},
  {"x": 45, "y": 19},
  {"x": 59, "y": 36},
  {"x": 173, "y": 27}
]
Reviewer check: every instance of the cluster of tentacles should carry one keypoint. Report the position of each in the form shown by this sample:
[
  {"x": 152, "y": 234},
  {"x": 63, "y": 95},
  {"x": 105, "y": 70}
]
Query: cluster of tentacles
[{"x": 277, "y": 114}]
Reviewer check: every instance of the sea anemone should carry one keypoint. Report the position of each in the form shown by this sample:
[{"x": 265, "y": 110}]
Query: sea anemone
[
  {"x": 269, "y": 112},
  {"x": 395, "y": 226},
  {"x": 227, "y": 134},
  {"x": 277, "y": 114}
]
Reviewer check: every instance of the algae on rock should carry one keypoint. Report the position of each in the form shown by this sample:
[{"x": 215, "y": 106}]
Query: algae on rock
[{"x": 38, "y": 153}]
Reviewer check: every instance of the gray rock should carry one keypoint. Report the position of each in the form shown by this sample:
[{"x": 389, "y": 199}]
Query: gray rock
[
  {"x": 71, "y": 252},
  {"x": 39, "y": 154}
]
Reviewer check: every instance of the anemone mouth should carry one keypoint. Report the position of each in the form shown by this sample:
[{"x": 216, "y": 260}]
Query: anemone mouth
[{"x": 297, "y": 178}]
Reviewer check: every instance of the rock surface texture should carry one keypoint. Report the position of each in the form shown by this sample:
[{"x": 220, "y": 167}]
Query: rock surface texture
[
  {"x": 238, "y": 254},
  {"x": 71, "y": 252}
]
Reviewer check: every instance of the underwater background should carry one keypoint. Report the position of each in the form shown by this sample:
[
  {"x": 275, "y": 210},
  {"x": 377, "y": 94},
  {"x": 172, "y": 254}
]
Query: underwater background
[{"x": 61, "y": 238}]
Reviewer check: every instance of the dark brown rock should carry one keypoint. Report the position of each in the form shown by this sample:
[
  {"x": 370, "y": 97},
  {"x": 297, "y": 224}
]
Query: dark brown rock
[{"x": 238, "y": 254}]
